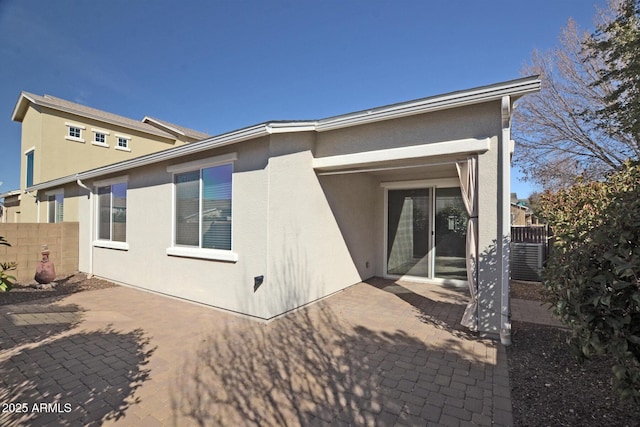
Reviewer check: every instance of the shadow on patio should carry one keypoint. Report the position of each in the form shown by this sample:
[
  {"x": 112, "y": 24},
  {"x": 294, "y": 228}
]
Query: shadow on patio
[
  {"x": 444, "y": 310},
  {"x": 33, "y": 323},
  {"x": 315, "y": 367},
  {"x": 85, "y": 378}
]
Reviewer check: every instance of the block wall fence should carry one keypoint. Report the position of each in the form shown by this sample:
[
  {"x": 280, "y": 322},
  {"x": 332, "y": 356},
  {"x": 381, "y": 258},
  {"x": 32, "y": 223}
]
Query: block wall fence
[{"x": 26, "y": 240}]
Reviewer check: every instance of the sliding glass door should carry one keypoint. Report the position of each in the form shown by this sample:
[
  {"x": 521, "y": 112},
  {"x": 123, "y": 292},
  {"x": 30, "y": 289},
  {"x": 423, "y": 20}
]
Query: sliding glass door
[
  {"x": 426, "y": 231},
  {"x": 408, "y": 232},
  {"x": 450, "y": 235}
]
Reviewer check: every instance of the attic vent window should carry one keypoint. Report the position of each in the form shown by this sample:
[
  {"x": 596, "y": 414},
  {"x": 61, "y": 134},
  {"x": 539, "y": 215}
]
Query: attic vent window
[
  {"x": 100, "y": 137},
  {"x": 74, "y": 132},
  {"x": 123, "y": 143}
]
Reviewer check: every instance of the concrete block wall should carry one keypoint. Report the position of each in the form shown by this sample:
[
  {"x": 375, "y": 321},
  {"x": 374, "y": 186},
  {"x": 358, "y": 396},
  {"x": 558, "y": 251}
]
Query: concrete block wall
[{"x": 26, "y": 241}]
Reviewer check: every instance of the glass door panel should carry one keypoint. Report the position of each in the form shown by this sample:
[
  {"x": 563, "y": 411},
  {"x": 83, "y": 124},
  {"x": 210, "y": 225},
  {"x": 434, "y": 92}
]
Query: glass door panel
[
  {"x": 408, "y": 232},
  {"x": 451, "y": 231}
]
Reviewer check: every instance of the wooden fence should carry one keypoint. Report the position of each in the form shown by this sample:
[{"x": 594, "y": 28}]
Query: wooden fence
[{"x": 530, "y": 234}]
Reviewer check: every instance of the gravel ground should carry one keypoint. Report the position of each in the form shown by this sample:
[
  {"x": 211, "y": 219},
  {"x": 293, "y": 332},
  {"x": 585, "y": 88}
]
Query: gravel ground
[
  {"x": 550, "y": 388},
  {"x": 26, "y": 292},
  {"x": 528, "y": 290}
]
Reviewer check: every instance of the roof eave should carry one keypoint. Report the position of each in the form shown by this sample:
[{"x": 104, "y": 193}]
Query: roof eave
[
  {"x": 24, "y": 100},
  {"x": 148, "y": 119},
  {"x": 513, "y": 88},
  {"x": 183, "y": 150},
  {"x": 21, "y": 107},
  {"x": 10, "y": 193}
]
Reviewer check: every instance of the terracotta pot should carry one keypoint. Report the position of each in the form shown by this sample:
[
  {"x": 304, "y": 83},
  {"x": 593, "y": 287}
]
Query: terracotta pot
[{"x": 45, "y": 272}]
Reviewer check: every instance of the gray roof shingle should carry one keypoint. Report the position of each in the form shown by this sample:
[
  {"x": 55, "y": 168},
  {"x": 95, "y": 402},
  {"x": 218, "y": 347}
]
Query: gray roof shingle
[
  {"x": 100, "y": 115},
  {"x": 190, "y": 133}
]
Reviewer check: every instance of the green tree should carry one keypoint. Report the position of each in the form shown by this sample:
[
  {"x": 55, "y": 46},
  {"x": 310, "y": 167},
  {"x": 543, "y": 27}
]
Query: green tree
[
  {"x": 617, "y": 45},
  {"x": 593, "y": 272},
  {"x": 6, "y": 281}
]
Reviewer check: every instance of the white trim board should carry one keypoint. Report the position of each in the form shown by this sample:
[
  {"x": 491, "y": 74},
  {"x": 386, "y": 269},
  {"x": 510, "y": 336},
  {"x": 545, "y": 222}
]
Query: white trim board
[
  {"x": 514, "y": 88},
  {"x": 456, "y": 147}
]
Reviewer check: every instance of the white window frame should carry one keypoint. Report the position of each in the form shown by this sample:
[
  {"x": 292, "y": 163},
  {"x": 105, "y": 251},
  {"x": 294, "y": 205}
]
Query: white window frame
[
  {"x": 126, "y": 138},
  {"x": 95, "y": 134},
  {"x": 102, "y": 243},
  {"x": 432, "y": 185},
  {"x": 31, "y": 150},
  {"x": 74, "y": 138},
  {"x": 193, "y": 252},
  {"x": 48, "y": 194}
]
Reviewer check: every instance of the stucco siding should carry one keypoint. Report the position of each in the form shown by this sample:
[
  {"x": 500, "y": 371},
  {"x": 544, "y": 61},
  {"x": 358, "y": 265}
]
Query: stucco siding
[
  {"x": 64, "y": 157},
  {"x": 145, "y": 264},
  {"x": 478, "y": 121},
  {"x": 308, "y": 257},
  {"x": 307, "y": 234},
  {"x": 31, "y": 139},
  {"x": 446, "y": 125},
  {"x": 45, "y": 130},
  {"x": 354, "y": 201},
  {"x": 489, "y": 271}
]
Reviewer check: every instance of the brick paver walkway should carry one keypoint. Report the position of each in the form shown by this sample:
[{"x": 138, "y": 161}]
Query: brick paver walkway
[{"x": 377, "y": 353}]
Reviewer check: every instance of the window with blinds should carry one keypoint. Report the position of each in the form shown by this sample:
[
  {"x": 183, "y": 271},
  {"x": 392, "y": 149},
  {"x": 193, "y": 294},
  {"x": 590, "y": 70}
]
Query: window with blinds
[
  {"x": 203, "y": 208},
  {"x": 112, "y": 212},
  {"x": 56, "y": 207}
]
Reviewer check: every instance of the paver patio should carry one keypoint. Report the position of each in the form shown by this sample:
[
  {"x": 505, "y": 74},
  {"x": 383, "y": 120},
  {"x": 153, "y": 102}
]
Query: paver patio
[{"x": 378, "y": 353}]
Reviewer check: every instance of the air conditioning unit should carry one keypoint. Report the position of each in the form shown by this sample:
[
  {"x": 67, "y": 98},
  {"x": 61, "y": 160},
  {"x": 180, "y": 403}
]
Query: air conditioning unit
[{"x": 526, "y": 261}]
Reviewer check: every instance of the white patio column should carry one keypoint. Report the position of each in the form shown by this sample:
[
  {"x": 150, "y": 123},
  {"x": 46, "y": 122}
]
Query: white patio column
[{"x": 504, "y": 219}]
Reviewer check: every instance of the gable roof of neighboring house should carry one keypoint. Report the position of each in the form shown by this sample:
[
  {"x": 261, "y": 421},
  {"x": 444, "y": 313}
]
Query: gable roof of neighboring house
[
  {"x": 513, "y": 88},
  {"x": 173, "y": 128},
  {"x": 59, "y": 104},
  {"x": 13, "y": 195},
  {"x": 9, "y": 194}
]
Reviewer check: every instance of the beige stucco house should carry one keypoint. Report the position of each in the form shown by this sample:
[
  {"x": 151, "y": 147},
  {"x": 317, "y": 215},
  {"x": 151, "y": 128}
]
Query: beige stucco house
[
  {"x": 267, "y": 218},
  {"x": 60, "y": 138},
  {"x": 520, "y": 215}
]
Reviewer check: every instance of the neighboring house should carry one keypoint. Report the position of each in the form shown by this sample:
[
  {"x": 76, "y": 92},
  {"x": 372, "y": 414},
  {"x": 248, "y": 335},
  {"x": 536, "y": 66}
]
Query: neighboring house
[
  {"x": 10, "y": 206},
  {"x": 520, "y": 215},
  {"x": 268, "y": 218},
  {"x": 60, "y": 138}
]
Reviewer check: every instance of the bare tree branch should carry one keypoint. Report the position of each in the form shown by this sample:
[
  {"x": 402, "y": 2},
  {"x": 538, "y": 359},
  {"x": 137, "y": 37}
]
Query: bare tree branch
[{"x": 558, "y": 139}]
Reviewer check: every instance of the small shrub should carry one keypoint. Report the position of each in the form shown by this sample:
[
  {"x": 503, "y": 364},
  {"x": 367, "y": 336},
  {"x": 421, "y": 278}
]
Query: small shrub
[
  {"x": 594, "y": 267},
  {"x": 6, "y": 281}
]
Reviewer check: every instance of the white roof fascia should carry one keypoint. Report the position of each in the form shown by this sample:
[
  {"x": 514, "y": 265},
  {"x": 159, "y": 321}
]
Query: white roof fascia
[
  {"x": 171, "y": 128},
  {"x": 257, "y": 131},
  {"x": 158, "y": 133},
  {"x": 363, "y": 159},
  {"x": 19, "y": 103},
  {"x": 514, "y": 88},
  {"x": 10, "y": 193},
  {"x": 183, "y": 150},
  {"x": 53, "y": 183},
  {"x": 457, "y": 99},
  {"x": 287, "y": 127}
]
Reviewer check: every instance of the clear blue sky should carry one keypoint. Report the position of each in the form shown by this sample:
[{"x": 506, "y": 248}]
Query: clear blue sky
[{"x": 217, "y": 66}]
